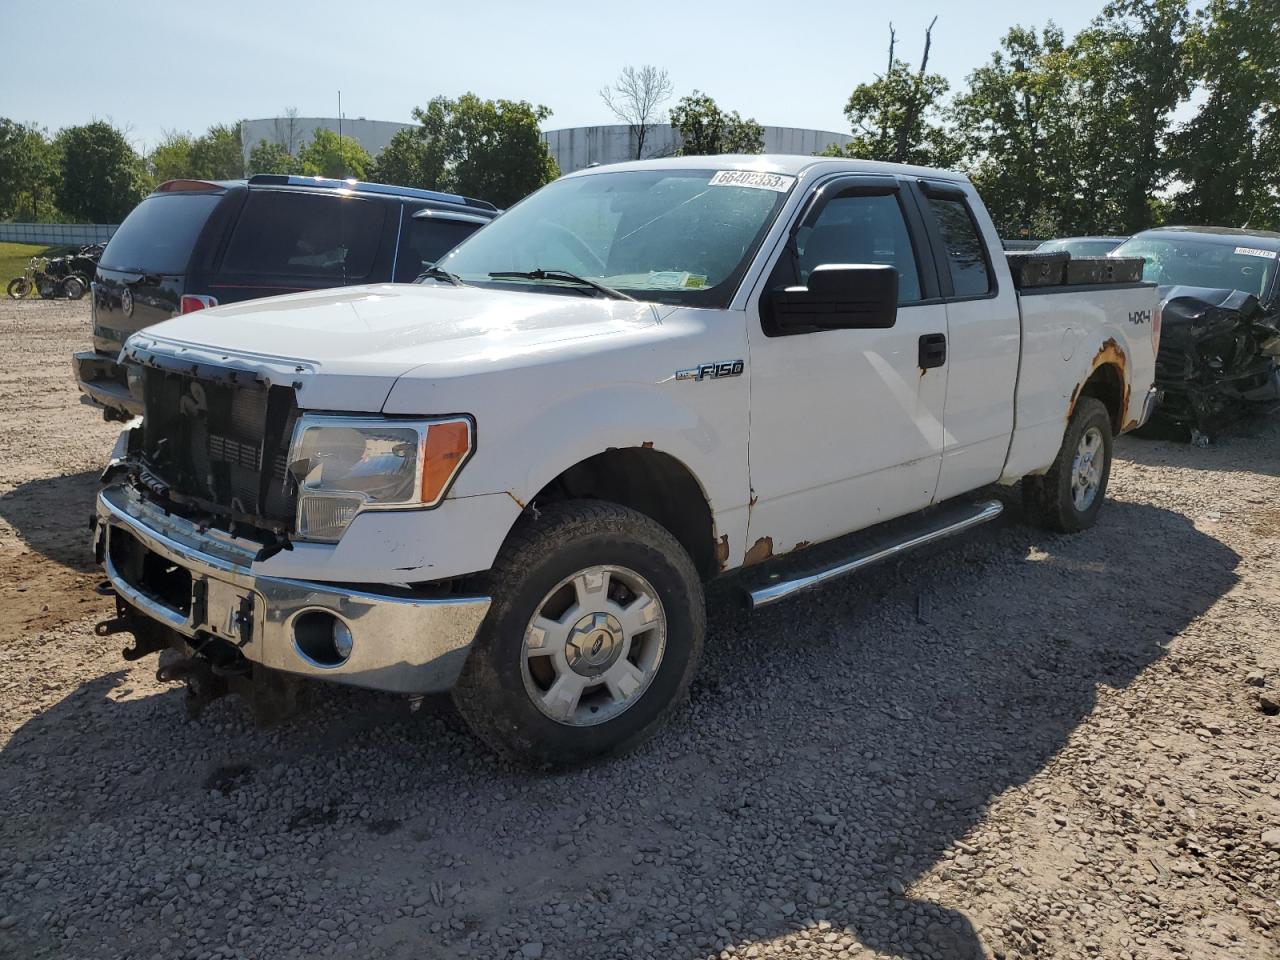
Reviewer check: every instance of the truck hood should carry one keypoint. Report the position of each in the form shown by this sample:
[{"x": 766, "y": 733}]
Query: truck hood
[{"x": 344, "y": 349}]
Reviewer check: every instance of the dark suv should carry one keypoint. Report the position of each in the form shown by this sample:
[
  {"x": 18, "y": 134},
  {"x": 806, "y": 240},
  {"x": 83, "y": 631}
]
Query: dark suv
[{"x": 195, "y": 243}]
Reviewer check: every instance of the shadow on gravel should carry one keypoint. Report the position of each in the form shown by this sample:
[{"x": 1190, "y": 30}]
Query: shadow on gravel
[
  {"x": 51, "y": 516},
  {"x": 835, "y": 749},
  {"x": 1251, "y": 445}
]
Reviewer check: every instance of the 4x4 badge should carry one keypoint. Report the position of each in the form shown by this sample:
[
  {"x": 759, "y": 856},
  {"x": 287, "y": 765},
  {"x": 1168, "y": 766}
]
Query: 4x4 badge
[{"x": 712, "y": 371}]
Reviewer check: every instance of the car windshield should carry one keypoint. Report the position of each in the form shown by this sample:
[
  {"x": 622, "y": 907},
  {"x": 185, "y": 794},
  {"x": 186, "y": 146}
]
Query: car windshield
[
  {"x": 1199, "y": 263},
  {"x": 674, "y": 236}
]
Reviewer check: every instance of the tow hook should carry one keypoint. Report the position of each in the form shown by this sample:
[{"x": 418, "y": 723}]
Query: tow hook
[
  {"x": 105, "y": 628},
  {"x": 203, "y": 685}
]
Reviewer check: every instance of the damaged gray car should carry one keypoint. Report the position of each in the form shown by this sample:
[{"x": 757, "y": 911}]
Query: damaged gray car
[{"x": 1220, "y": 306}]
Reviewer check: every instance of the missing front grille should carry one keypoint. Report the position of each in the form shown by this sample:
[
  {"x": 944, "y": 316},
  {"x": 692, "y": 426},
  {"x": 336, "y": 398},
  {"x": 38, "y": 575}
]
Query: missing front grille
[{"x": 219, "y": 442}]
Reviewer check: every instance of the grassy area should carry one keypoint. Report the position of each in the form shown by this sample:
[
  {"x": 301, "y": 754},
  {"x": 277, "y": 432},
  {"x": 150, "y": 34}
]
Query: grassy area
[{"x": 14, "y": 257}]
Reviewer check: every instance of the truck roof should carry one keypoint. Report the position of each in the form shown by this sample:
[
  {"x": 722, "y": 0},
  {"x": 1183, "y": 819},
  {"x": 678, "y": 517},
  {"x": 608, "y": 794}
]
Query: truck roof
[{"x": 789, "y": 164}]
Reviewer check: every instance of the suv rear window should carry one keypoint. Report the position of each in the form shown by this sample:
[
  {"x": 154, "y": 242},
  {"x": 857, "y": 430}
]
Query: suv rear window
[
  {"x": 300, "y": 235},
  {"x": 426, "y": 240},
  {"x": 160, "y": 233}
]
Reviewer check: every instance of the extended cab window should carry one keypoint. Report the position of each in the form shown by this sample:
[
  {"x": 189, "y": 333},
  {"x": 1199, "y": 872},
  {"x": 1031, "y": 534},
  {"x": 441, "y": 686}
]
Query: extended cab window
[
  {"x": 966, "y": 253},
  {"x": 300, "y": 235},
  {"x": 426, "y": 240},
  {"x": 854, "y": 229}
]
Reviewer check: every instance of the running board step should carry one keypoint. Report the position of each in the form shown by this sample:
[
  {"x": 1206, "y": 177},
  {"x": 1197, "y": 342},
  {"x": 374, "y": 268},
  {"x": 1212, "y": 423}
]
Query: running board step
[{"x": 937, "y": 524}]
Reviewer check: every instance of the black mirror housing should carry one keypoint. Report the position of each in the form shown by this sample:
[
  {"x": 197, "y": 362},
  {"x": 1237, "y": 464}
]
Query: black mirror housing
[{"x": 840, "y": 296}]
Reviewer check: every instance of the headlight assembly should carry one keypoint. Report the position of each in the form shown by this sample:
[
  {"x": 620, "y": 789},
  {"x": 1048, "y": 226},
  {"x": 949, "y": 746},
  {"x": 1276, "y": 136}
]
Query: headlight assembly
[{"x": 344, "y": 465}]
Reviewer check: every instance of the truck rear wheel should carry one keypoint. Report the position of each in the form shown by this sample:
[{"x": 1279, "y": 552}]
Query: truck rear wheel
[
  {"x": 593, "y": 637},
  {"x": 1068, "y": 497}
]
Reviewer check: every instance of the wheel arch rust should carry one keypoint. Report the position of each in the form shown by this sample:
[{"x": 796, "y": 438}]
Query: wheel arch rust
[{"x": 1107, "y": 381}]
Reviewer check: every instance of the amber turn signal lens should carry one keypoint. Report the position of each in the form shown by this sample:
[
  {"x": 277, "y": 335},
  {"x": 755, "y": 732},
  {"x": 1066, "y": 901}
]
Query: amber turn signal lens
[{"x": 444, "y": 451}]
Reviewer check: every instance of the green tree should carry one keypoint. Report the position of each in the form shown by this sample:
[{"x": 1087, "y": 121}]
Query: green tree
[
  {"x": 1228, "y": 154},
  {"x": 706, "y": 130},
  {"x": 897, "y": 116},
  {"x": 101, "y": 178},
  {"x": 171, "y": 158},
  {"x": 218, "y": 154},
  {"x": 491, "y": 149},
  {"x": 331, "y": 155},
  {"x": 1131, "y": 74},
  {"x": 28, "y": 172},
  {"x": 267, "y": 156},
  {"x": 411, "y": 160},
  {"x": 1015, "y": 126}
]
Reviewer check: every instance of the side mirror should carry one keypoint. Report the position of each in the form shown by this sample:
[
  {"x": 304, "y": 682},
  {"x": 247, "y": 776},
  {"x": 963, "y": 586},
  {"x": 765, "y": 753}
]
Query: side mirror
[{"x": 840, "y": 296}]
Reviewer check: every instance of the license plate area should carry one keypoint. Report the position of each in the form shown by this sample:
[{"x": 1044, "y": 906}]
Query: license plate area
[
  {"x": 155, "y": 577},
  {"x": 223, "y": 610},
  {"x": 207, "y": 604}
]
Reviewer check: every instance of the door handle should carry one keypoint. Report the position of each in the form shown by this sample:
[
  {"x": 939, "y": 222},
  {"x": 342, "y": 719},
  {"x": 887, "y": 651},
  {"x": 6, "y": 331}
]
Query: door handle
[{"x": 933, "y": 350}]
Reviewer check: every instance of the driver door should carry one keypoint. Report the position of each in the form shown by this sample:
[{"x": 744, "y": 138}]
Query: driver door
[{"x": 847, "y": 424}]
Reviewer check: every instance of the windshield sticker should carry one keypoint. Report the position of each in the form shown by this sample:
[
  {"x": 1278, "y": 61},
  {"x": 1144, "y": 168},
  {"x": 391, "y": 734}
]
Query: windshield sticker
[
  {"x": 777, "y": 182},
  {"x": 1255, "y": 252},
  {"x": 675, "y": 280}
]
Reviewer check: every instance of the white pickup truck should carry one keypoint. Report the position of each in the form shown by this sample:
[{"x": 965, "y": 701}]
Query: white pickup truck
[{"x": 511, "y": 480}]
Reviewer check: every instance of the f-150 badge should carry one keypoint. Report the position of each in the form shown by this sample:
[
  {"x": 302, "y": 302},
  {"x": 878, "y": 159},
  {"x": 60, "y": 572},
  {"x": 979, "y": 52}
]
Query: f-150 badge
[{"x": 712, "y": 371}]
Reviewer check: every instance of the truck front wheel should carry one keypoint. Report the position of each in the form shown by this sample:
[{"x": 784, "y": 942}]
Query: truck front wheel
[
  {"x": 592, "y": 639},
  {"x": 1068, "y": 497}
]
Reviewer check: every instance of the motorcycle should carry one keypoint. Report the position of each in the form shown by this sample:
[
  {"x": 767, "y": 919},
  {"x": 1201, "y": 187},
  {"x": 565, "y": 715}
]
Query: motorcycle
[{"x": 66, "y": 276}]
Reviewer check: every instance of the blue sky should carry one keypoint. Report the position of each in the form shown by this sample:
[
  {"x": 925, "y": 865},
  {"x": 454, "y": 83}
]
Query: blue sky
[{"x": 156, "y": 66}]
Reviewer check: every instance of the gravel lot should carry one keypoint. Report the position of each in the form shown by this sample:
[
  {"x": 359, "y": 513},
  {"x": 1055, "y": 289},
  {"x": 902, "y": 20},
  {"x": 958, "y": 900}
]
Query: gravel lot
[{"x": 1020, "y": 745}]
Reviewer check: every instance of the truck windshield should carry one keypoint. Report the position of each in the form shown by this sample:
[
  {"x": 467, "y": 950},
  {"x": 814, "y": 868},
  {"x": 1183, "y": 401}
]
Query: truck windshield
[
  {"x": 1197, "y": 263},
  {"x": 673, "y": 236}
]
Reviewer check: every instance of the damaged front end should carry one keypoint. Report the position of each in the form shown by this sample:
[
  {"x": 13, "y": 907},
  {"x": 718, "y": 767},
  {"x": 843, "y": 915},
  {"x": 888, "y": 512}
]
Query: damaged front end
[{"x": 1216, "y": 363}]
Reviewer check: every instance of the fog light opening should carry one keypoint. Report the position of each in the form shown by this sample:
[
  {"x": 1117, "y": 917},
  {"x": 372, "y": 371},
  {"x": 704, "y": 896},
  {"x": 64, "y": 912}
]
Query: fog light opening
[{"x": 322, "y": 638}]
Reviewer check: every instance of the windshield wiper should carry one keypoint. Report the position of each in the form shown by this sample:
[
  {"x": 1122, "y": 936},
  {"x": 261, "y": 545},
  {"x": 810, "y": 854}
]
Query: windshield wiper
[
  {"x": 562, "y": 275},
  {"x": 435, "y": 273}
]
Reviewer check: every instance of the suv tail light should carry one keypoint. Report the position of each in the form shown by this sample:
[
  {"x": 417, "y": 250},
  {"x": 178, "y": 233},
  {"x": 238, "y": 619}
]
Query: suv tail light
[
  {"x": 1157, "y": 318},
  {"x": 192, "y": 302}
]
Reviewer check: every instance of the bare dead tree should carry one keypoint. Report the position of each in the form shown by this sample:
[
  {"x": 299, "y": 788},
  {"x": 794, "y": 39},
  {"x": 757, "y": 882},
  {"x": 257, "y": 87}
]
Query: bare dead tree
[
  {"x": 287, "y": 131},
  {"x": 907, "y": 131},
  {"x": 636, "y": 98},
  {"x": 893, "y": 36}
]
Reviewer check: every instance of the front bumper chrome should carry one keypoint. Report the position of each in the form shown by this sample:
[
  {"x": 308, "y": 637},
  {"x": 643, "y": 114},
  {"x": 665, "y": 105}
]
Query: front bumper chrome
[{"x": 403, "y": 642}]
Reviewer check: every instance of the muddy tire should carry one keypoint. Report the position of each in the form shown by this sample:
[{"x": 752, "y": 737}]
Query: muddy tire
[
  {"x": 18, "y": 288},
  {"x": 1068, "y": 497},
  {"x": 591, "y": 642}
]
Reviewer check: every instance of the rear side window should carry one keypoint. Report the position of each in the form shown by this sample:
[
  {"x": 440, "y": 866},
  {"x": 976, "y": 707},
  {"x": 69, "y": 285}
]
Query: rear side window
[
  {"x": 300, "y": 235},
  {"x": 861, "y": 228},
  {"x": 966, "y": 253},
  {"x": 160, "y": 234},
  {"x": 426, "y": 240}
]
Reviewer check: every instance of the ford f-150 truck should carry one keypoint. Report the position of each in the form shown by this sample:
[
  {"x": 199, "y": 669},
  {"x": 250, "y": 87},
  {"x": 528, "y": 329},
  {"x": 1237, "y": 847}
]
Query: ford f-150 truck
[{"x": 512, "y": 479}]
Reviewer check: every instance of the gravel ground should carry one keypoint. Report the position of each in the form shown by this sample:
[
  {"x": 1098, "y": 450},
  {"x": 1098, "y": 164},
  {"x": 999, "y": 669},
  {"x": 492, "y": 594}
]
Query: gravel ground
[{"x": 1020, "y": 745}]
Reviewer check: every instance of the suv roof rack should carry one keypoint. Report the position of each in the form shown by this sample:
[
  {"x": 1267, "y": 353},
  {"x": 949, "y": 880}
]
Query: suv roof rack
[{"x": 327, "y": 183}]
